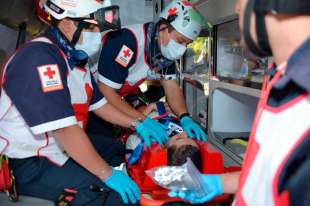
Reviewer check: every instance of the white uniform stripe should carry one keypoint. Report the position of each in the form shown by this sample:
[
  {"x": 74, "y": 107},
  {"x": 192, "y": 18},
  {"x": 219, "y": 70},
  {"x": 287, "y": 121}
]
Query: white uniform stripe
[
  {"x": 98, "y": 104},
  {"x": 50, "y": 126},
  {"x": 108, "y": 82}
]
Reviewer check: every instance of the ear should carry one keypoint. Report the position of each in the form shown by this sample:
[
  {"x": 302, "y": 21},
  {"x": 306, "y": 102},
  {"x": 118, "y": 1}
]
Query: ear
[{"x": 67, "y": 25}]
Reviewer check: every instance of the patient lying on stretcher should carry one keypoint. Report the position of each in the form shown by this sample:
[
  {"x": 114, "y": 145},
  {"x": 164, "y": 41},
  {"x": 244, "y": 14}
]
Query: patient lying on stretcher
[{"x": 179, "y": 146}]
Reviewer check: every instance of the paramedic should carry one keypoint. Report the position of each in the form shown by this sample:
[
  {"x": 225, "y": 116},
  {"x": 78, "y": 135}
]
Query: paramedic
[
  {"x": 276, "y": 168},
  {"x": 46, "y": 95},
  {"x": 148, "y": 51}
]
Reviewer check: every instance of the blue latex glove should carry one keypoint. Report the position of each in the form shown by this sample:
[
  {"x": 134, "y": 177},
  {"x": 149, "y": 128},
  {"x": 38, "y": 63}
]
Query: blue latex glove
[
  {"x": 212, "y": 183},
  {"x": 192, "y": 129},
  {"x": 122, "y": 184},
  {"x": 151, "y": 130}
]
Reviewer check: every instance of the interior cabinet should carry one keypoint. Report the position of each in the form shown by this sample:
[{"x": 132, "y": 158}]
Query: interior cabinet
[{"x": 227, "y": 84}]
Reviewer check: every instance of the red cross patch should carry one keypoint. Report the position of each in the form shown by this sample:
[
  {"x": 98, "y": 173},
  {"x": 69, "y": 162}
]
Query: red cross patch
[
  {"x": 50, "y": 78},
  {"x": 172, "y": 11},
  {"x": 124, "y": 56}
]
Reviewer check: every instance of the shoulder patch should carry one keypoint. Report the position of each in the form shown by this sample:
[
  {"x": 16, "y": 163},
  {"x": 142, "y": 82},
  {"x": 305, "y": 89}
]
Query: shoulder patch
[
  {"x": 50, "y": 78},
  {"x": 124, "y": 56}
]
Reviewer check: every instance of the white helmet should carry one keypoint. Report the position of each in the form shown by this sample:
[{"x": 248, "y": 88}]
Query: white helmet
[
  {"x": 92, "y": 11},
  {"x": 184, "y": 18}
]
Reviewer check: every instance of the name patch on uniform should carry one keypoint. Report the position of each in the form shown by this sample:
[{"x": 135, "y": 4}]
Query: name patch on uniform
[
  {"x": 50, "y": 78},
  {"x": 124, "y": 56}
]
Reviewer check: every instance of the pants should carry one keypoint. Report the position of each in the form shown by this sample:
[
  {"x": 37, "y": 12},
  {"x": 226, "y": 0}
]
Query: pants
[
  {"x": 96, "y": 125},
  {"x": 38, "y": 177}
]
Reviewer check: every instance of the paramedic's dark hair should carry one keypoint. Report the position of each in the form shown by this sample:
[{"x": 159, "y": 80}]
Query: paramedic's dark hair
[
  {"x": 165, "y": 22},
  {"x": 177, "y": 155}
]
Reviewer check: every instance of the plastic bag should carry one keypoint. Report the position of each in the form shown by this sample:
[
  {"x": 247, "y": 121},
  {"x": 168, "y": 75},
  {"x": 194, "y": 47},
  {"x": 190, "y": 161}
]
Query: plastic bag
[{"x": 181, "y": 178}]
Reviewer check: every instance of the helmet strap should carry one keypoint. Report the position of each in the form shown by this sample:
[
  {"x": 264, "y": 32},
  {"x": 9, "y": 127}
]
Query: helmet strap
[
  {"x": 260, "y": 7},
  {"x": 76, "y": 36},
  {"x": 261, "y": 30},
  {"x": 247, "y": 33},
  {"x": 75, "y": 57}
]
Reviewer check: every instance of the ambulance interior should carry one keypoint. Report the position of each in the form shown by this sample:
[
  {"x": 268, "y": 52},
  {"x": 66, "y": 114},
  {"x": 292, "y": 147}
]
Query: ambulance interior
[{"x": 220, "y": 80}]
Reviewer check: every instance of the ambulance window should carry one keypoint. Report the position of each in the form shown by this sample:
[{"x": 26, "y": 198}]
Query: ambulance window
[{"x": 197, "y": 56}]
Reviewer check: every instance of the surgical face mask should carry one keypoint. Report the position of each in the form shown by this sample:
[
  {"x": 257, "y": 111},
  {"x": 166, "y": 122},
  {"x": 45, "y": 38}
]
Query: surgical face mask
[
  {"x": 91, "y": 43},
  {"x": 173, "y": 50}
]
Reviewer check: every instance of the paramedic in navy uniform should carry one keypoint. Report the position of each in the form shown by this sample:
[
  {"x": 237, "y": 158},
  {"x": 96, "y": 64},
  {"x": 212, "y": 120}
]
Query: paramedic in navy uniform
[
  {"x": 276, "y": 167},
  {"x": 46, "y": 95},
  {"x": 148, "y": 51}
]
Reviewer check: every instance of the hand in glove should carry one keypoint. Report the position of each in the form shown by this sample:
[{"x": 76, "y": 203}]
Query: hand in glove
[
  {"x": 122, "y": 184},
  {"x": 212, "y": 183},
  {"x": 192, "y": 129},
  {"x": 150, "y": 130}
]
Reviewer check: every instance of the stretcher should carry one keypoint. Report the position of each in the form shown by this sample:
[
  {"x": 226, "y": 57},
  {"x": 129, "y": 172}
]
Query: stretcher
[{"x": 156, "y": 155}]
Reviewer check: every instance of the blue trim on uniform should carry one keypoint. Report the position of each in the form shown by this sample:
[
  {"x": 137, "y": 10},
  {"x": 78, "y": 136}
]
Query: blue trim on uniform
[
  {"x": 295, "y": 176},
  {"x": 298, "y": 69}
]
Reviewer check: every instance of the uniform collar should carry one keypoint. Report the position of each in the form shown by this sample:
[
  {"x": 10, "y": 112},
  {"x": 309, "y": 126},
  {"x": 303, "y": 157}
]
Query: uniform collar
[
  {"x": 297, "y": 69},
  {"x": 75, "y": 57}
]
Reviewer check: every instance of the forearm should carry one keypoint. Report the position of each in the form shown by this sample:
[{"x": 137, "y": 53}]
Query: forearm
[
  {"x": 78, "y": 146},
  {"x": 109, "y": 113},
  {"x": 117, "y": 101},
  {"x": 230, "y": 182},
  {"x": 174, "y": 97}
]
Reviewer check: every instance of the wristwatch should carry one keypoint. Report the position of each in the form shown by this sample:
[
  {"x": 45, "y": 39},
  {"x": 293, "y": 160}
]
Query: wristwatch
[
  {"x": 186, "y": 114},
  {"x": 135, "y": 123}
]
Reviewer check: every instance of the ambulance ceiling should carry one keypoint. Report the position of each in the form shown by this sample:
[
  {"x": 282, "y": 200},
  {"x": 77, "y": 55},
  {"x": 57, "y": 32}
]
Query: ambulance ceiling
[
  {"x": 14, "y": 12},
  {"x": 216, "y": 11}
]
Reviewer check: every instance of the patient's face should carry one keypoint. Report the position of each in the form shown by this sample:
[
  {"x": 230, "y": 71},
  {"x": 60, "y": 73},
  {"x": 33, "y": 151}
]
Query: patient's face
[{"x": 181, "y": 139}]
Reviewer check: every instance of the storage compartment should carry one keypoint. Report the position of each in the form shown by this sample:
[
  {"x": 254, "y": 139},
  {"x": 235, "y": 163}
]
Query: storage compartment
[
  {"x": 237, "y": 77},
  {"x": 231, "y": 112},
  {"x": 189, "y": 90},
  {"x": 232, "y": 118},
  {"x": 234, "y": 113},
  {"x": 201, "y": 113},
  {"x": 196, "y": 99},
  {"x": 233, "y": 63},
  {"x": 195, "y": 69}
]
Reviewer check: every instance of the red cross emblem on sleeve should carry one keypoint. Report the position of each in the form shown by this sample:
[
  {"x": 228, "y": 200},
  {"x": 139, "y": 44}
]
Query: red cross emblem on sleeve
[
  {"x": 124, "y": 56},
  {"x": 126, "y": 53},
  {"x": 49, "y": 73},
  {"x": 50, "y": 78}
]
